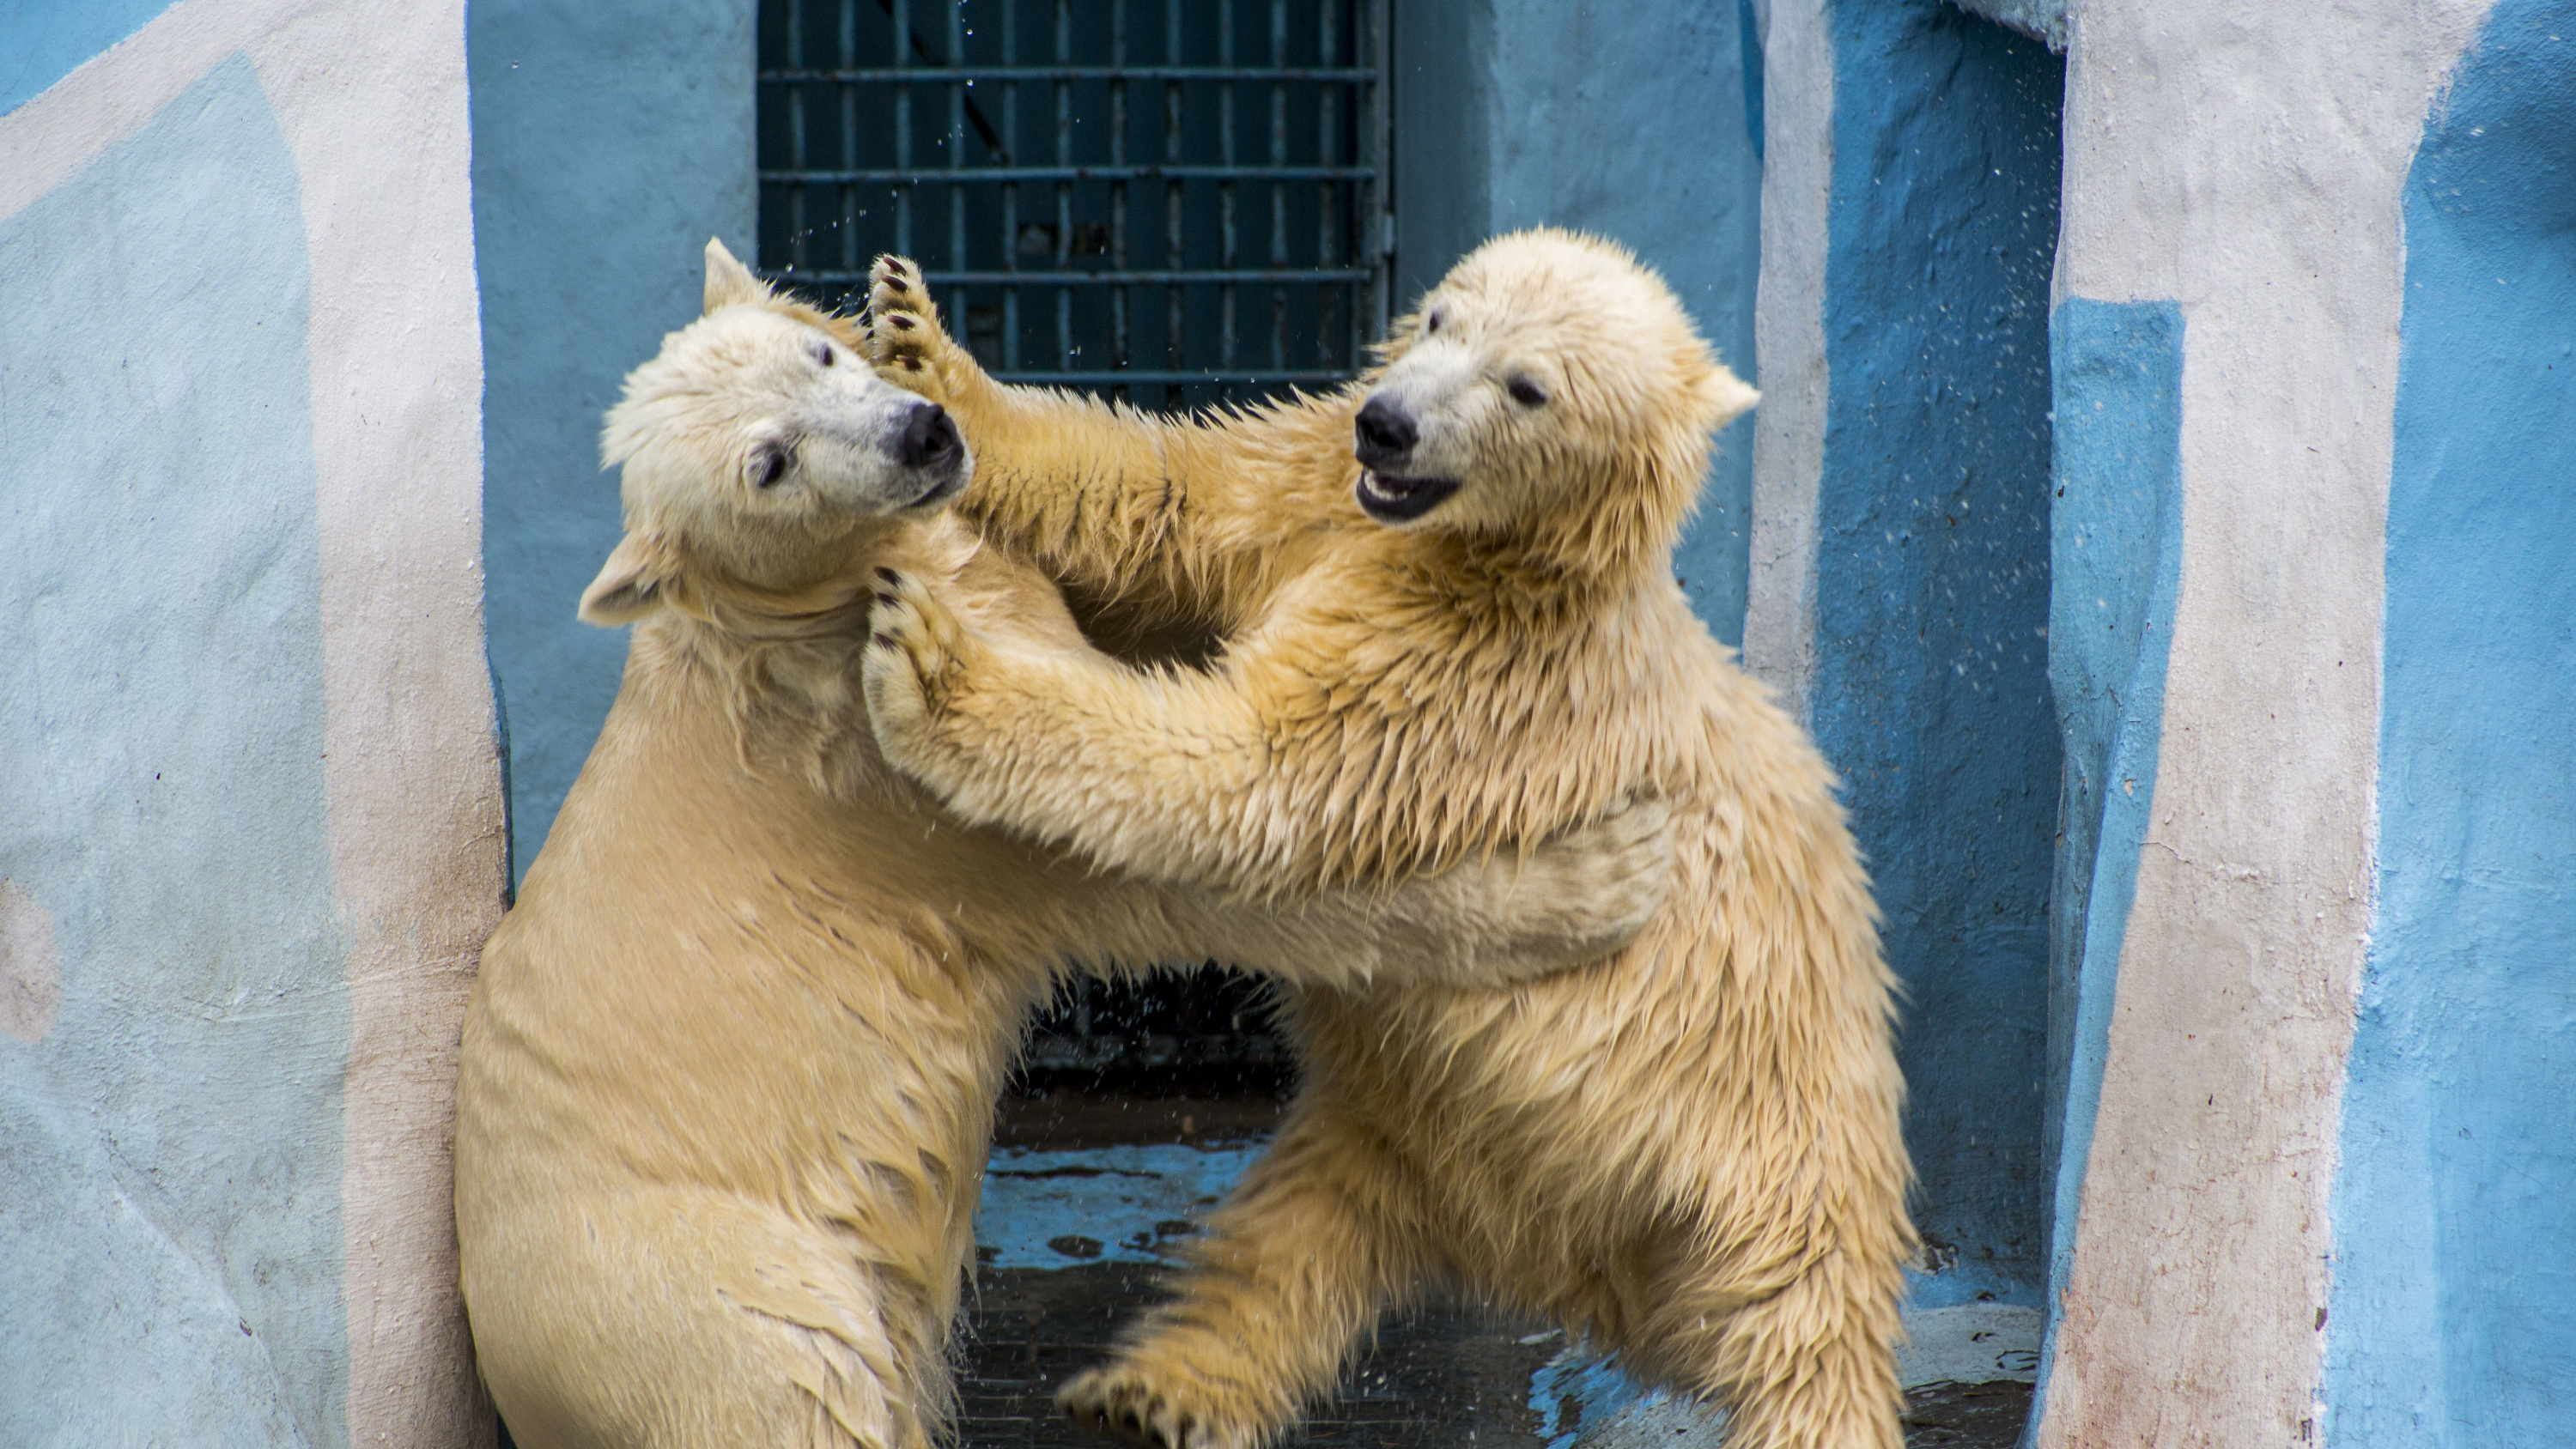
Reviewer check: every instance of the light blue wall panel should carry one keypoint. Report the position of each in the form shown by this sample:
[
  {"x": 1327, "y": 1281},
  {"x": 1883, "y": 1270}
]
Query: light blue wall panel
[
  {"x": 610, "y": 141},
  {"x": 41, "y": 41},
  {"x": 1930, "y": 691},
  {"x": 170, "y": 1150},
  {"x": 2453, "y": 1320}
]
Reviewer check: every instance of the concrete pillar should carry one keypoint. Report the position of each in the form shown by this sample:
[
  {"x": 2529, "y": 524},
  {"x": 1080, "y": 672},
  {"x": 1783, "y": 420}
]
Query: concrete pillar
[
  {"x": 252, "y": 839},
  {"x": 1900, "y": 554}
]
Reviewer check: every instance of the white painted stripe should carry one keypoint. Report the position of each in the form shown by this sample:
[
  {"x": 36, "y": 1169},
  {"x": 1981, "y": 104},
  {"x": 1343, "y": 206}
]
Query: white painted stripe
[
  {"x": 2246, "y": 163},
  {"x": 372, "y": 99},
  {"x": 1789, "y": 348}
]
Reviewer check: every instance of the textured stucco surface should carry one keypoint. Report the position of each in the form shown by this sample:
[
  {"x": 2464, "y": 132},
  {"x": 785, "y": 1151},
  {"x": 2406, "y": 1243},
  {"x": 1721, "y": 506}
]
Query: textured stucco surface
[
  {"x": 609, "y": 143},
  {"x": 2454, "y": 1303},
  {"x": 1799, "y": 90},
  {"x": 2115, "y": 546},
  {"x": 174, "y": 1141},
  {"x": 1628, "y": 118},
  {"x": 1930, "y": 686},
  {"x": 46, "y": 41},
  {"x": 1899, "y": 587},
  {"x": 338, "y": 156},
  {"x": 2245, "y": 164},
  {"x": 2043, "y": 20}
]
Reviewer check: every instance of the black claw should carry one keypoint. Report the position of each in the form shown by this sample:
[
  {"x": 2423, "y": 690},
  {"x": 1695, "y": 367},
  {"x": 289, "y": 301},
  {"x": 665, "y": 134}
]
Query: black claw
[
  {"x": 888, "y": 600},
  {"x": 890, "y": 577},
  {"x": 901, "y": 322},
  {"x": 882, "y": 641},
  {"x": 912, "y": 364}
]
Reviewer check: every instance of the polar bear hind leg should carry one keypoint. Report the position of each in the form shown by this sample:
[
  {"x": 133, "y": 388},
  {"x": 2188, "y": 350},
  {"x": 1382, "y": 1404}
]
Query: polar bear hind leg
[{"x": 1324, "y": 1234}]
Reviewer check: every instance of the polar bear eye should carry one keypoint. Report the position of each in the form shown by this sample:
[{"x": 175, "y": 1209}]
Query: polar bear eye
[
  {"x": 768, "y": 466},
  {"x": 823, "y": 353},
  {"x": 1526, "y": 391},
  {"x": 1432, "y": 322}
]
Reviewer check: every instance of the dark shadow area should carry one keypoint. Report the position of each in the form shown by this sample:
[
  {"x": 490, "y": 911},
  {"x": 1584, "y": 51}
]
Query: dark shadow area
[{"x": 1930, "y": 693}]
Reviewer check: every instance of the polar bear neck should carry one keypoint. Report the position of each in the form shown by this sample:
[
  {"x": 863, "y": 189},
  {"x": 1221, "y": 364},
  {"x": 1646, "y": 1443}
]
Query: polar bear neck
[{"x": 785, "y": 668}]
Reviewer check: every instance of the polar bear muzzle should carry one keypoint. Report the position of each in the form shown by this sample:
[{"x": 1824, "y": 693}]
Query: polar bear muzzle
[{"x": 1383, "y": 439}]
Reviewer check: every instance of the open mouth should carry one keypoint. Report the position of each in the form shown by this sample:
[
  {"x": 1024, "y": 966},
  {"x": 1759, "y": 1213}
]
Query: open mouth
[
  {"x": 1389, "y": 499},
  {"x": 941, "y": 491}
]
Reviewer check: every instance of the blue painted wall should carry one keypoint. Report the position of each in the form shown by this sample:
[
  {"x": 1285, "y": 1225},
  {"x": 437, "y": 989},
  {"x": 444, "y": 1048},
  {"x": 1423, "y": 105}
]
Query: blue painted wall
[
  {"x": 2115, "y": 561},
  {"x": 170, "y": 1233},
  {"x": 2453, "y": 1320},
  {"x": 1930, "y": 691},
  {"x": 1629, "y": 118},
  {"x": 609, "y": 143},
  {"x": 41, "y": 43}
]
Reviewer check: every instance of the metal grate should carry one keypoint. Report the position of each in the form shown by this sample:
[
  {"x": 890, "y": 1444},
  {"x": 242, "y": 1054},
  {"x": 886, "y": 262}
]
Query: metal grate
[{"x": 1179, "y": 201}]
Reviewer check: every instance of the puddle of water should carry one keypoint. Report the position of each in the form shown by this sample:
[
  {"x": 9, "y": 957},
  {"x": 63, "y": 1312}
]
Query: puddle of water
[{"x": 1122, "y": 1204}]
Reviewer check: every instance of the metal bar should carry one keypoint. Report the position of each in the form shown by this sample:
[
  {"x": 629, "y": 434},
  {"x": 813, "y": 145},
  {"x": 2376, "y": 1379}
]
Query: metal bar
[
  {"x": 957, "y": 300},
  {"x": 1137, "y": 277},
  {"x": 1118, "y": 189},
  {"x": 1226, "y": 221},
  {"x": 1109, "y": 378},
  {"x": 1377, "y": 233},
  {"x": 1328, "y": 115},
  {"x": 902, "y": 13},
  {"x": 1175, "y": 232},
  {"x": 880, "y": 75},
  {"x": 1279, "y": 189},
  {"x": 1064, "y": 184},
  {"x": 849, "y": 96},
  {"x": 1149, "y": 171},
  {"x": 1010, "y": 190},
  {"x": 796, "y": 227}
]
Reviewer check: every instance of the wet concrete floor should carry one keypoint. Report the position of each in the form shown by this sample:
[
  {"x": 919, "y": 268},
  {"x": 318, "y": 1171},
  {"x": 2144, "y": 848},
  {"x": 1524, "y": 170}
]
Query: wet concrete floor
[{"x": 1436, "y": 1379}]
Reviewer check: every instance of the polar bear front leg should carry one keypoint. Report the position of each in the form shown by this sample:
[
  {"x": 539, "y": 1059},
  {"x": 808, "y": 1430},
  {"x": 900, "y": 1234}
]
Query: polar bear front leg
[
  {"x": 1138, "y": 507},
  {"x": 1324, "y": 1234},
  {"x": 1147, "y": 773}
]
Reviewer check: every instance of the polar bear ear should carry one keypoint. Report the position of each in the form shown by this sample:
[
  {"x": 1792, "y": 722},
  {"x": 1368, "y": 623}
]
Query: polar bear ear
[
  {"x": 630, "y": 584},
  {"x": 729, "y": 281},
  {"x": 1726, "y": 397}
]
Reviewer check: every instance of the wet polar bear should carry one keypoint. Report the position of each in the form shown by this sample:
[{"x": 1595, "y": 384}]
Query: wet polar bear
[
  {"x": 1462, "y": 641},
  {"x": 729, "y": 1072}
]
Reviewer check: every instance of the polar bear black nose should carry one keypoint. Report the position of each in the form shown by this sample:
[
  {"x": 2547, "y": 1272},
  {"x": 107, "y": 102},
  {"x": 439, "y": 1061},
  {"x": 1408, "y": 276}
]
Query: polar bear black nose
[
  {"x": 1386, "y": 432},
  {"x": 929, "y": 438}
]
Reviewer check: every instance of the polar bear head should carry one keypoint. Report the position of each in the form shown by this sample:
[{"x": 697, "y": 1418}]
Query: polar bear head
[
  {"x": 1550, "y": 387},
  {"x": 758, "y": 449}
]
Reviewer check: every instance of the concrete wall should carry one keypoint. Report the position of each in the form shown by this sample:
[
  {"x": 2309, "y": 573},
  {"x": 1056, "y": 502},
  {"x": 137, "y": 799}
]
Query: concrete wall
[
  {"x": 2244, "y": 176},
  {"x": 2311, "y": 981},
  {"x": 1631, "y": 118},
  {"x": 2453, "y": 1302},
  {"x": 253, "y": 836},
  {"x": 609, "y": 143},
  {"x": 1901, "y": 568}
]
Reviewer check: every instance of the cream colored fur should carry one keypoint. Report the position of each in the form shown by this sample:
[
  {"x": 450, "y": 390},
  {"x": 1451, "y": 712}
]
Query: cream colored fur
[
  {"x": 1688, "y": 1151},
  {"x": 729, "y": 1072}
]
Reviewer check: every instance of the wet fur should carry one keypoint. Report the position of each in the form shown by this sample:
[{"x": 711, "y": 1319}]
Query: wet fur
[
  {"x": 729, "y": 1073},
  {"x": 1687, "y": 1152}
]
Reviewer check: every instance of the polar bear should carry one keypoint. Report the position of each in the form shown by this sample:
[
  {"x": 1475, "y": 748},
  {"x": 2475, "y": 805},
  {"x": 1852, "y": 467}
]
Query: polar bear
[
  {"x": 1462, "y": 640},
  {"x": 729, "y": 1072}
]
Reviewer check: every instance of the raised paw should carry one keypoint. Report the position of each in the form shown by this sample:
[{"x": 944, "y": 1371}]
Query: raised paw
[
  {"x": 1125, "y": 1400},
  {"x": 915, "y": 658},
  {"x": 905, "y": 343}
]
